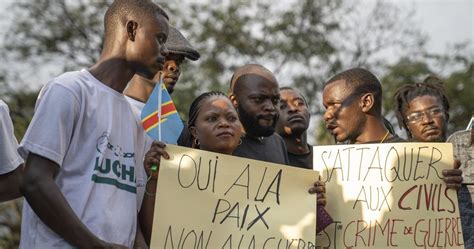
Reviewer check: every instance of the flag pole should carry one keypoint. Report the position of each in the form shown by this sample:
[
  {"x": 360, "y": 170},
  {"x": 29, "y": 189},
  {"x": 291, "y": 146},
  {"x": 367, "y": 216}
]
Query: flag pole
[{"x": 160, "y": 82}]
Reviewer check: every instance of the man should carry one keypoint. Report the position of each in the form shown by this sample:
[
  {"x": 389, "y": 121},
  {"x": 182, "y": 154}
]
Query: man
[
  {"x": 83, "y": 147},
  {"x": 11, "y": 164},
  {"x": 422, "y": 109},
  {"x": 255, "y": 94},
  {"x": 292, "y": 125},
  {"x": 353, "y": 102}
]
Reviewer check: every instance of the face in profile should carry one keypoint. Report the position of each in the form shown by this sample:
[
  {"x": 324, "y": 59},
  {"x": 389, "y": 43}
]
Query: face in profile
[
  {"x": 257, "y": 99},
  {"x": 147, "y": 52},
  {"x": 426, "y": 118},
  {"x": 294, "y": 114},
  {"x": 171, "y": 71},
  {"x": 217, "y": 128},
  {"x": 344, "y": 117}
]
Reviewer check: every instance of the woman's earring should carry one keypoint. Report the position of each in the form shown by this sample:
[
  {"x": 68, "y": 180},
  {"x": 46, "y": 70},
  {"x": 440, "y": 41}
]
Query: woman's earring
[
  {"x": 240, "y": 141},
  {"x": 196, "y": 142}
]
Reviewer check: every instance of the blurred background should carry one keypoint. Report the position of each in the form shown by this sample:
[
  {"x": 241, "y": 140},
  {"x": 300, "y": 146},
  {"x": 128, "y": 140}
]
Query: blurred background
[{"x": 303, "y": 42}]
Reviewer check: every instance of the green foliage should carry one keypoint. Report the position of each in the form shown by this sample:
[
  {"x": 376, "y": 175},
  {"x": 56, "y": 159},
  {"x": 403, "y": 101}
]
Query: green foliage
[
  {"x": 10, "y": 224},
  {"x": 459, "y": 84}
]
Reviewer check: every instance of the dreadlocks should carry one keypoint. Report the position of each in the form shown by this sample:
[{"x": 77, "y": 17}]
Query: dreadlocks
[{"x": 431, "y": 86}]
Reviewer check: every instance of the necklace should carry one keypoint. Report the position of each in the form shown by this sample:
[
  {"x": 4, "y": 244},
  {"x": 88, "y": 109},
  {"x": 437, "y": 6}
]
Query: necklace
[{"x": 384, "y": 137}]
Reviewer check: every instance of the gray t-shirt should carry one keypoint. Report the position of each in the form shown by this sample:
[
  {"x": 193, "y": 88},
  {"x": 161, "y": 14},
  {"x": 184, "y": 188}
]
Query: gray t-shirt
[{"x": 270, "y": 149}]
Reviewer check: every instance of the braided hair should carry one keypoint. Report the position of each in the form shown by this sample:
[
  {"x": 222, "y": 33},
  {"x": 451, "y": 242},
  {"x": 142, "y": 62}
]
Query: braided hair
[
  {"x": 431, "y": 86},
  {"x": 186, "y": 138}
]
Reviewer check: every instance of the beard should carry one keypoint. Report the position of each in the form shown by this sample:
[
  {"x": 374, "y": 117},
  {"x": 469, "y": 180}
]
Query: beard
[{"x": 252, "y": 126}]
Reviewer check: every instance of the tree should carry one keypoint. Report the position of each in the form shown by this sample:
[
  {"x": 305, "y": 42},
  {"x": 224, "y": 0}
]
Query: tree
[
  {"x": 458, "y": 81},
  {"x": 303, "y": 44}
]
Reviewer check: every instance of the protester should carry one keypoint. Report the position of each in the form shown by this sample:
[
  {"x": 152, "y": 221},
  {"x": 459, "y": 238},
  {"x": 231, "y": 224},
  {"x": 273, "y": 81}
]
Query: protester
[
  {"x": 353, "y": 102},
  {"x": 11, "y": 164},
  {"x": 83, "y": 148},
  {"x": 292, "y": 126},
  {"x": 255, "y": 94},
  {"x": 214, "y": 126},
  {"x": 422, "y": 109}
]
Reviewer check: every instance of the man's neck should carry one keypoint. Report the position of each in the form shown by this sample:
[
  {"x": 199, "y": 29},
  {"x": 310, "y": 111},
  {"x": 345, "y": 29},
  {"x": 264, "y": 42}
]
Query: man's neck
[
  {"x": 139, "y": 89},
  {"x": 296, "y": 144},
  {"x": 112, "y": 72},
  {"x": 374, "y": 131}
]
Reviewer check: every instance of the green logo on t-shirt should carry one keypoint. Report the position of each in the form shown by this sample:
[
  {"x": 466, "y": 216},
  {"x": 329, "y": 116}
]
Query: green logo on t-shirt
[{"x": 109, "y": 167}]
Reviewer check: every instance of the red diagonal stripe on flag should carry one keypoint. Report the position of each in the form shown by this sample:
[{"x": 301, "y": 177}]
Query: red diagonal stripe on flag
[{"x": 153, "y": 119}]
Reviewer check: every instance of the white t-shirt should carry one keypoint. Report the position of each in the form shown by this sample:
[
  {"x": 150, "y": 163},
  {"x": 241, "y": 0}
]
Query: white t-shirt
[
  {"x": 137, "y": 108},
  {"x": 89, "y": 130},
  {"x": 9, "y": 158}
]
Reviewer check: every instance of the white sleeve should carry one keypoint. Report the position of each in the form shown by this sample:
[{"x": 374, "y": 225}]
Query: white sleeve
[
  {"x": 9, "y": 158},
  {"x": 52, "y": 126}
]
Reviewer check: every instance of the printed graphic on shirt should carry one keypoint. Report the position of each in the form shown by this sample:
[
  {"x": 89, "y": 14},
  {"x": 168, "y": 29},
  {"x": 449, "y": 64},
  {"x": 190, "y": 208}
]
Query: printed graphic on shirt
[{"x": 113, "y": 166}]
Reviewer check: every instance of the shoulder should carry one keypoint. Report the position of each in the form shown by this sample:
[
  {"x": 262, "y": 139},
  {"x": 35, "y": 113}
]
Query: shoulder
[
  {"x": 275, "y": 137},
  {"x": 395, "y": 139},
  {"x": 75, "y": 83},
  {"x": 459, "y": 135},
  {"x": 3, "y": 108}
]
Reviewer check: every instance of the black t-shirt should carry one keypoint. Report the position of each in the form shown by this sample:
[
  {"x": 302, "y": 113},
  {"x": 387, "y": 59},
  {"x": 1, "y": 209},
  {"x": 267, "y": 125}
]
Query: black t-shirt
[
  {"x": 270, "y": 149},
  {"x": 304, "y": 161},
  {"x": 393, "y": 139}
]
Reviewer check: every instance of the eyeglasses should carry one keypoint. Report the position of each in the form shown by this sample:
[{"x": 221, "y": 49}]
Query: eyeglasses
[{"x": 434, "y": 112}]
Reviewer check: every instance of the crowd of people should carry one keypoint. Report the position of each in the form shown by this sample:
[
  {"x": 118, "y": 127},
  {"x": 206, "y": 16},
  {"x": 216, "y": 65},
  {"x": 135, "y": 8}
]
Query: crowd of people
[{"x": 84, "y": 164}]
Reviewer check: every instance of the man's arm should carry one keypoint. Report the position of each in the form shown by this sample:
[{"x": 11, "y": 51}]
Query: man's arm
[
  {"x": 47, "y": 201},
  {"x": 10, "y": 184}
]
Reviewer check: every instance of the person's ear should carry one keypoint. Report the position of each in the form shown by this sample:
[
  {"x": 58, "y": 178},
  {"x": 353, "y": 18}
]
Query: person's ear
[
  {"x": 132, "y": 27},
  {"x": 234, "y": 100},
  {"x": 367, "y": 102},
  {"x": 193, "y": 131}
]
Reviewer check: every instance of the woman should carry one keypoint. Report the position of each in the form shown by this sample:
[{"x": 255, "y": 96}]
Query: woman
[{"x": 213, "y": 126}]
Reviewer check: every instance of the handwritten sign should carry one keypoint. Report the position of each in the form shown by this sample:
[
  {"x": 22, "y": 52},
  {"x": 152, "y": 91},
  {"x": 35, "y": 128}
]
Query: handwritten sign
[
  {"x": 389, "y": 195},
  {"x": 211, "y": 200}
]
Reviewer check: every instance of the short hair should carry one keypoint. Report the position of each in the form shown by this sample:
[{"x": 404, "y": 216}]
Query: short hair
[
  {"x": 431, "y": 86},
  {"x": 120, "y": 10},
  {"x": 247, "y": 69},
  {"x": 295, "y": 90},
  {"x": 361, "y": 80}
]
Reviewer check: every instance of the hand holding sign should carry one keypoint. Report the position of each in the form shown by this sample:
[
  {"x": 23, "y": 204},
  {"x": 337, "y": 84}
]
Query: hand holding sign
[{"x": 152, "y": 159}]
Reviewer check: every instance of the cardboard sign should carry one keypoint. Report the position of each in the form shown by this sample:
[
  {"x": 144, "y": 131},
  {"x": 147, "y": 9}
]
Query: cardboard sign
[
  {"x": 211, "y": 200},
  {"x": 388, "y": 196}
]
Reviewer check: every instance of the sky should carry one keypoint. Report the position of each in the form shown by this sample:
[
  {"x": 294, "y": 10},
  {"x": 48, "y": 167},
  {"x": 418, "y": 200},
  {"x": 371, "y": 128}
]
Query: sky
[{"x": 444, "y": 21}]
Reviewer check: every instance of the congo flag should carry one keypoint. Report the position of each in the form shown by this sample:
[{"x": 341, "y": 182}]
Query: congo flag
[{"x": 162, "y": 124}]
